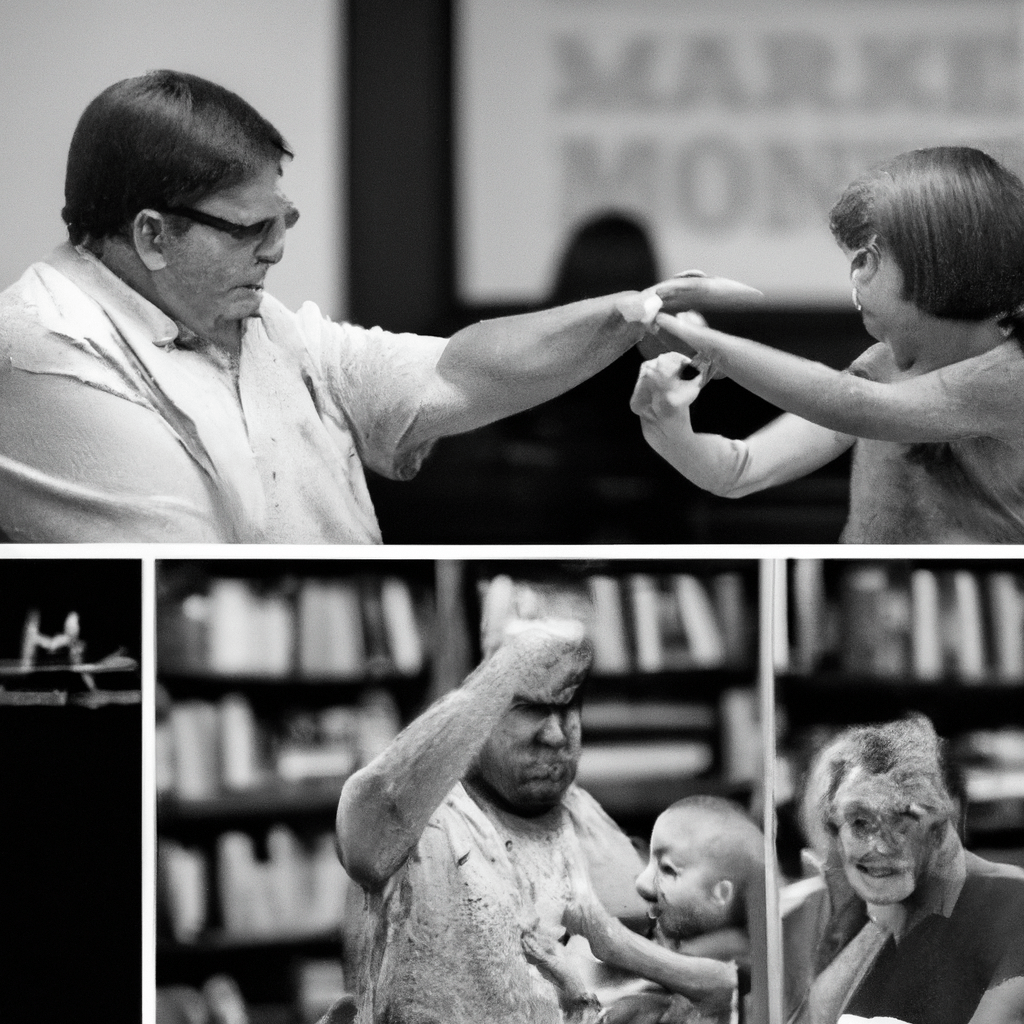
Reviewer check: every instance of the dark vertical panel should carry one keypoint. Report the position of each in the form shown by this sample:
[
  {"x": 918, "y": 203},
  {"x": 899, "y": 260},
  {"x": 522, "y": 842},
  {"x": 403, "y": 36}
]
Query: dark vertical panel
[
  {"x": 400, "y": 208},
  {"x": 71, "y": 810}
]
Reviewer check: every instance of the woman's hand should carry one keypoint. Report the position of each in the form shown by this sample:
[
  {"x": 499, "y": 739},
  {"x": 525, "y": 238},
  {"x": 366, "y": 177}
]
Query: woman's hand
[{"x": 661, "y": 393}]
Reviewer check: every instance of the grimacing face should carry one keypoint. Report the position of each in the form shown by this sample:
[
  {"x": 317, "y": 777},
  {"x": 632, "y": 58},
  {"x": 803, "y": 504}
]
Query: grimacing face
[
  {"x": 530, "y": 758},
  {"x": 686, "y": 894},
  {"x": 886, "y": 836}
]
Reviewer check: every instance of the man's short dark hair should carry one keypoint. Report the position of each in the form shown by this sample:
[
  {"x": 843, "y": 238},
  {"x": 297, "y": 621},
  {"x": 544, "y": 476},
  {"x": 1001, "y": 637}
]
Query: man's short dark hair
[
  {"x": 161, "y": 140},
  {"x": 952, "y": 218}
]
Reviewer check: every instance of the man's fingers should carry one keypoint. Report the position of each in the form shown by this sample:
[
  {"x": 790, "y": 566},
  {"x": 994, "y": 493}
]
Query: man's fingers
[
  {"x": 567, "y": 629},
  {"x": 546, "y": 663}
]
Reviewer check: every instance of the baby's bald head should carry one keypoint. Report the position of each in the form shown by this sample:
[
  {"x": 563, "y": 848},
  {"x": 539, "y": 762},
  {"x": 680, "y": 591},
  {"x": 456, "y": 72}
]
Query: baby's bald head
[{"x": 706, "y": 854}]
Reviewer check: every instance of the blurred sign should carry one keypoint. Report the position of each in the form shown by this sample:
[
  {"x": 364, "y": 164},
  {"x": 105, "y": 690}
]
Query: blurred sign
[{"x": 729, "y": 129}]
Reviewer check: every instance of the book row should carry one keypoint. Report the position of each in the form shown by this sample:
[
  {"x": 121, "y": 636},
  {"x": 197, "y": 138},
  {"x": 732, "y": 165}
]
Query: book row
[
  {"x": 293, "y": 887},
  {"x": 206, "y": 748},
  {"x": 351, "y": 627},
  {"x": 891, "y": 620}
]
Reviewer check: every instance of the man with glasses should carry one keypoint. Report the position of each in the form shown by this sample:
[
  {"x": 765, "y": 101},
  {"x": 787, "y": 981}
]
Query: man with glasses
[{"x": 151, "y": 391}]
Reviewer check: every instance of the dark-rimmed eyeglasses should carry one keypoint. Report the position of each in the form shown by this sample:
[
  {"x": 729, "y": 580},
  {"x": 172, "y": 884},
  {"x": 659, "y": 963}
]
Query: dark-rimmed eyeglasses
[{"x": 239, "y": 232}]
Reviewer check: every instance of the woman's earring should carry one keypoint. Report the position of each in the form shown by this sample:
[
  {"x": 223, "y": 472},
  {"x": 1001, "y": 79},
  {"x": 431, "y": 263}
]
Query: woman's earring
[{"x": 856, "y": 298}]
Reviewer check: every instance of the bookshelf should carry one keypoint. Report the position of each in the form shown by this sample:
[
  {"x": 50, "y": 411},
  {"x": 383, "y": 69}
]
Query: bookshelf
[
  {"x": 870, "y": 641},
  {"x": 275, "y": 680},
  {"x": 255, "y": 734}
]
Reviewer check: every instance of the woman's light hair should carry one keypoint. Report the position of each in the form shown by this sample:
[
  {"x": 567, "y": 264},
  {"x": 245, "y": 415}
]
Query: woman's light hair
[{"x": 908, "y": 752}]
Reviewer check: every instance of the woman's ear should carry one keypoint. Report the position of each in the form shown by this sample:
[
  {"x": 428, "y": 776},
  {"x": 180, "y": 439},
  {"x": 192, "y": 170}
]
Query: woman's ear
[{"x": 864, "y": 264}]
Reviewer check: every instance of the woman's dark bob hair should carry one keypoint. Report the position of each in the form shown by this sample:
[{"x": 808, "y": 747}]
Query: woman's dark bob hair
[
  {"x": 952, "y": 218},
  {"x": 161, "y": 140}
]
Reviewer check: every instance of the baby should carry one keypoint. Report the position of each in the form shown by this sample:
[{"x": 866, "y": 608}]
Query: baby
[{"x": 704, "y": 886}]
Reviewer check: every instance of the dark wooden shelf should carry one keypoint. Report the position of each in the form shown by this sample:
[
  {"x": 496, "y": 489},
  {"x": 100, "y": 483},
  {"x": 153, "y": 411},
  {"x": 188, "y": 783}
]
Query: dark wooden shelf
[
  {"x": 314, "y": 798},
  {"x": 954, "y": 706},
  {"x": 62, "y": 698},
  {"x": 312, "y": 688},
  {"x": 274, "y": 695},
  {"x": 635, "y": 805},
  {"x": 214, "y": 943},
  {"x": 262, "y": 965}
]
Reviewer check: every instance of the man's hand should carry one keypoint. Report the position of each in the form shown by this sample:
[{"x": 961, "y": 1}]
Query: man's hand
[
  {"x": 680, "y": 297},
  {"x": 690, "y": 290},
  {"x": 693, "y": 289},
  {"x": 579, "y": 1005}
]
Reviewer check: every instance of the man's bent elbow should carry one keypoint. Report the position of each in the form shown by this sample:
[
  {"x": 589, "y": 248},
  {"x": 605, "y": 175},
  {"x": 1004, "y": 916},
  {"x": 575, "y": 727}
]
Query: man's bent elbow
[{"x": 359, "y": 828}]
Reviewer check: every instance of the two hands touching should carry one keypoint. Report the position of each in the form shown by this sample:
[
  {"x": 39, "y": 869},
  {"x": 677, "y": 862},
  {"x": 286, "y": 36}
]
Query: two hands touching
[{"x": 678, "y": 363}]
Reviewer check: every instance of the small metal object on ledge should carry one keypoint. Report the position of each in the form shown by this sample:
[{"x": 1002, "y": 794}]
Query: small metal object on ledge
[{"x": 87, "y": 694}]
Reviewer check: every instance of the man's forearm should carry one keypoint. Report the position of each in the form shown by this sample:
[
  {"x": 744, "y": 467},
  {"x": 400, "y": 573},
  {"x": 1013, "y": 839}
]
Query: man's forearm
[
  {"x": 501, "y": 367},
  {"x": 385, "y": 806}
]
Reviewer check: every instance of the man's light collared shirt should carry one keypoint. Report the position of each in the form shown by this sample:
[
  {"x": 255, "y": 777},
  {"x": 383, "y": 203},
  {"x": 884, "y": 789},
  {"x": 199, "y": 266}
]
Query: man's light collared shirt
[{"x": 114, "y": 428}]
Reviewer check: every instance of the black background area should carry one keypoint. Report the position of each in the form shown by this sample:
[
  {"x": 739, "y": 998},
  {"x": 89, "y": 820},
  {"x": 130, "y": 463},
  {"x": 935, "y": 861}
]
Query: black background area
[{"x": 71, "y": 811}]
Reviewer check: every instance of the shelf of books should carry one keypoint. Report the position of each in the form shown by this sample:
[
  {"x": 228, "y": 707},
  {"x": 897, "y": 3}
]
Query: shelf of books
[
  {"x": 871, "y": 641},
  {"x": 277, "y": 679}
]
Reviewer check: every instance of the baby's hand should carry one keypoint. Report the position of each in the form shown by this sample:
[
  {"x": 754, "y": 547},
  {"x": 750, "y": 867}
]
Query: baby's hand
[{"x": 660, "y": 391}]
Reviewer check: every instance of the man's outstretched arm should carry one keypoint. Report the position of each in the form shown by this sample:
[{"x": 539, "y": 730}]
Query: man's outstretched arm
[{"x": 496, "y": 368}]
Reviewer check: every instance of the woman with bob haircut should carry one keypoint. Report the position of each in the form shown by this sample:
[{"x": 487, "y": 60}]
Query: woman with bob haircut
[{"x": 933, "y": 410}]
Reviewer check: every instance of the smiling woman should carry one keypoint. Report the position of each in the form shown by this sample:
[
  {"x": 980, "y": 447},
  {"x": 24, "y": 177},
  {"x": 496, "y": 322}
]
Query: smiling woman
[{"x": 920, "y": 929}]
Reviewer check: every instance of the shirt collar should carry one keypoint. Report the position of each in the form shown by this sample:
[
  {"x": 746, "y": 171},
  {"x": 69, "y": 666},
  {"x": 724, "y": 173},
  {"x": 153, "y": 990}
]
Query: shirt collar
[
  {"x": 125, "y": 306},
  {"x": 128, "y": 309}
]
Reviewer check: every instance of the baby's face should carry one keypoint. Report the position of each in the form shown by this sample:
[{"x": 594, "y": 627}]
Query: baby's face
[{"x": 684, "y": 891}]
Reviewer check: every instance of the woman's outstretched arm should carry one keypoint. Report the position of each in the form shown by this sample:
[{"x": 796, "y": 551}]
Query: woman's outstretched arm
[
  {"x": 787, "y": 448},
  {"x": 977, "y": 397}
]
